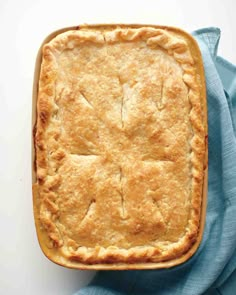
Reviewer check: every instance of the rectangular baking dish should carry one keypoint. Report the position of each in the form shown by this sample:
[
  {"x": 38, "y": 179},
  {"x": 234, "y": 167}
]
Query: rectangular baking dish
[{"x": 109, "y": 266}]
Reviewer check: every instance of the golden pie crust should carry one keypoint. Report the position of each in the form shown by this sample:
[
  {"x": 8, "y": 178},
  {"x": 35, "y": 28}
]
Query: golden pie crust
[{"x": 120, "y": 147}]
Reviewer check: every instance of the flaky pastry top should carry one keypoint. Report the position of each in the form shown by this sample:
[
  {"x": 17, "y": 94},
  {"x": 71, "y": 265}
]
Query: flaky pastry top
[{"x": 120, "y": 145}]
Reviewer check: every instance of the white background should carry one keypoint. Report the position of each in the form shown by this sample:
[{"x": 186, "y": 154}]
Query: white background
[{"x": 23, "y": 26}]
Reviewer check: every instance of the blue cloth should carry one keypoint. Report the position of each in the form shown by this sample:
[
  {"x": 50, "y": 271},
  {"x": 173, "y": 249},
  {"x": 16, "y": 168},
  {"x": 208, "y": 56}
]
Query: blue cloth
[{"x": 212, "y": 270}]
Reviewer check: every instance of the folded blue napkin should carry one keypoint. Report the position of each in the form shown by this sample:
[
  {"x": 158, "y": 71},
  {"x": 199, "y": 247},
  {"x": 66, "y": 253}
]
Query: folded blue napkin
[{"x": 212, "y": 270}]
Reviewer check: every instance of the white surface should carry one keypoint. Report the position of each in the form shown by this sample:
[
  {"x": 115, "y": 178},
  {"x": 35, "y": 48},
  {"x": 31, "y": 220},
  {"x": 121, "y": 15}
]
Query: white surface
[{"x": 23, "y": 26}]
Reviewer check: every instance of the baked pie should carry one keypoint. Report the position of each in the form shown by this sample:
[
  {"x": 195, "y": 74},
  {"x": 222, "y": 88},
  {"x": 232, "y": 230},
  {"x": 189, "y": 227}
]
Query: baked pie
[{"x": 120, "y": 147}]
